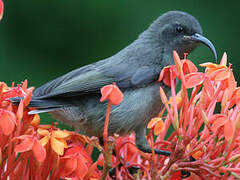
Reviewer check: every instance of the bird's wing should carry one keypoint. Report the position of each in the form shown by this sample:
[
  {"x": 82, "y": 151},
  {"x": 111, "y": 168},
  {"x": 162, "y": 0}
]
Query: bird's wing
[
  {"x": 80, "y": 81},
  {"x": 90, "y": 79}
]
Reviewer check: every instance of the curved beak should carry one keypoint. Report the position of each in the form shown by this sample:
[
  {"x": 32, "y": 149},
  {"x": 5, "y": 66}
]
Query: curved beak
[{"x": 201, "y": 39}]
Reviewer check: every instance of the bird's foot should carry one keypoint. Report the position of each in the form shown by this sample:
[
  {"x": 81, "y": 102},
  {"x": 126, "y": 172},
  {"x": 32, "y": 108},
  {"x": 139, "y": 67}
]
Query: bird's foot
[
  {"x": 132, "y": 170},
  {"x": 147, "y": 149}
]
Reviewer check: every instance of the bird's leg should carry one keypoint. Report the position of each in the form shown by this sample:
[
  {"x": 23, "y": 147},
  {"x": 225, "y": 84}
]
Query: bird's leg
[
  {"x": 143, "y": 145},
  {"x": 112, "y": 171}
]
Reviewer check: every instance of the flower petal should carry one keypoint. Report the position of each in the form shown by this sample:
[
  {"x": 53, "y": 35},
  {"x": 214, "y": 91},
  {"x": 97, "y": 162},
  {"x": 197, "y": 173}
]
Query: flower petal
[
  {"x": 189, "y": 67},
  {"x": 70, "y": 165},
  {"x": 43, "y": 132},
  {"x": 39, "y": 151},
  {"x": 36, "y": 120},
  {"x": 229, "y": 130},
  {"x": 222, "y": 74},
  {"x": 57, "y": 146},
  {"x": 197, "y": 155},
  {"x": 194, "y": 79},
  {"x": 27, "y": 99},
  {"x": 208, "y": 86},
  {"x": 159, "y": 127},
  {"x": 60, "y": 134},
  {"x": 7, "y": 121},
  {"x": 1, "y": 9},
  {"x": 116, "y": 96},
  {"x": 64, "y": 142},
  {"x": 25, "y": 145},
  {"x": 209, "y": 65},
  {"x": 232, "y": 84},
  {"x": 163, "y": 96},
  {"x": 20, "y": 111},
  {"x": 0, "y": 157},
  {"x": 220, "y": 121},
  {"x": 224, "y": 59},
  {"x": 105, "y": 91},
  {"x": 153, "y": 121},
  {"x": 81, "y": 169},
  {"x": 112, "y": 93},
  {"x": 165, "y": 76},
  {"x": 44, "y": 140}
]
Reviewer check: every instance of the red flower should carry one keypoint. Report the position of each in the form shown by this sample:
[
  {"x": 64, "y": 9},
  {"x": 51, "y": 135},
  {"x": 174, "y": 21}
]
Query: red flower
[
  {"x": 126, "y": 148},
  {"x": 115, "y": 96},
  {"x": 112, "y": 93},
  {"x": 30, "y": 142},
  {"x": 188, "y": 66},
  {"x": 76, "y": 162},
  {"x": 194, "y": 79},
  {"x": 1, "y": 9},
  {"x": 7, "y": 121},
  {"x": 171, "y": 72},
  {"x": 168, "y": 73}
]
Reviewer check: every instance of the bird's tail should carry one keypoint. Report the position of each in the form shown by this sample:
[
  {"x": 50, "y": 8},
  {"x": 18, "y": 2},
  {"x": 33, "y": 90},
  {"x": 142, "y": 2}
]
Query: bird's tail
[
  {"x": 16, "y": 100},
  {"x": 41, "y": 106}
]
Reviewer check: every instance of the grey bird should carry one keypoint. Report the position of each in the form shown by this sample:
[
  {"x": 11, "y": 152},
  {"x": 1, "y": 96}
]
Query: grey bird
[{"x": 74, "y": 97}]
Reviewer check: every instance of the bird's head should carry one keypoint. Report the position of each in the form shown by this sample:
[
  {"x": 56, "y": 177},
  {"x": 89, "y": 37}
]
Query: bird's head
[{"x": 180, "y": 31}]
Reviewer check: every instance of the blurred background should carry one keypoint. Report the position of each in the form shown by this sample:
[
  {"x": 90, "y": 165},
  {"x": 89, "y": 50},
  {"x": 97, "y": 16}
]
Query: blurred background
[{"x": 41, "y": 40}]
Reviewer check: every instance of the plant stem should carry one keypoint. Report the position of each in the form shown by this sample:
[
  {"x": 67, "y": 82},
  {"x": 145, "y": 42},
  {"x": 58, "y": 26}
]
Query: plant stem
[
  {"x": 107, "y": 150},
  {"x": 105, "y": 131},
  {"x": 12, "y": 167}
]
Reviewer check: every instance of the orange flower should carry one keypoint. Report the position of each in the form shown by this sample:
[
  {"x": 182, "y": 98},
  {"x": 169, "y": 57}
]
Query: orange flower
[
  {"x": 158, "y": 125},
  {"x": 179, "y": 99},
  {"x": 197, "y": 155},
  {"x": 57, "y": 139},
  {"x": 112, "y": 93},
  {"x": 220, "y": 120},
  {"x": 212, "y": 67},
  {"x": 218, "y": 72},
  {"x": 30, "y": 142},
  {"x": 36, "y": 120}
]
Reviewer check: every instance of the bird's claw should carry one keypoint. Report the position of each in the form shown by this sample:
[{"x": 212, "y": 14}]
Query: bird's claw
[
  {"x": 131, "y": 170},
  {"x": 185, "y": 174}
]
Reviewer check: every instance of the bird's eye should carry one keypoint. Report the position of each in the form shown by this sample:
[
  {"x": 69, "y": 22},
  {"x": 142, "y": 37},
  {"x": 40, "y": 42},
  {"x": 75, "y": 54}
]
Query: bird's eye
[{"x": 179, "y": 29}]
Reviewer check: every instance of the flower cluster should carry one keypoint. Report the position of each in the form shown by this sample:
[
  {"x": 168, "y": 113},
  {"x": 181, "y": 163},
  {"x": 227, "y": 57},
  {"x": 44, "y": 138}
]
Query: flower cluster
[
  {"x": 204, "y": 141},
  {"x": 29, "y": 150},
  {"x": 205, "y": 116},
  {"x": 199, "y": 126}
]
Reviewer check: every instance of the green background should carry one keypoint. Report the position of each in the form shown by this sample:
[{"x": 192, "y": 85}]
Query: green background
[{"x": 41, "y": 40}]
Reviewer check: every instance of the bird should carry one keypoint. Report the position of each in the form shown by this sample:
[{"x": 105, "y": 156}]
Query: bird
[{"x": 74, "y": 98}]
